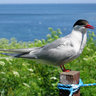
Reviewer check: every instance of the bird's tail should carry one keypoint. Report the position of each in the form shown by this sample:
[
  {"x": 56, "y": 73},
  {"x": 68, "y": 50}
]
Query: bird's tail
[
  {"x": 13, "y": 54},
  {"x": 19, "y": 52}
]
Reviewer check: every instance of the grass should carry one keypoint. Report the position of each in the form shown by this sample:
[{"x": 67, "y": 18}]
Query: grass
[{"x": 23, "y": 77}]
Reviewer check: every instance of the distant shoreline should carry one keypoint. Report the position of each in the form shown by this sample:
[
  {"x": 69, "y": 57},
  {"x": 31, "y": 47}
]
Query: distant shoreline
[{"x": 42, "y": 3}]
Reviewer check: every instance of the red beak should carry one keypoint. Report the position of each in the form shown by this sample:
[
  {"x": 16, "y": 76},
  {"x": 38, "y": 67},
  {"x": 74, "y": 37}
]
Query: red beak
[{"x": 89, "y": 26}]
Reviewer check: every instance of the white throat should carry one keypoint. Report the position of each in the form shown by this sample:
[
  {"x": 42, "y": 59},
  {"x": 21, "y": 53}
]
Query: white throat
[{"x": 79, "y": 37}]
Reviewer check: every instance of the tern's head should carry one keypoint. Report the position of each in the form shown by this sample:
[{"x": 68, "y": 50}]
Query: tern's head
[{"x": 82, "y": 25}]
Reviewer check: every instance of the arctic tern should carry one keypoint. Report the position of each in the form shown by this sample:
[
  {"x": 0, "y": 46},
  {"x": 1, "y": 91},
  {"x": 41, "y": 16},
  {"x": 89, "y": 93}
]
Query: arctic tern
[{"x": 60, "y": 51}]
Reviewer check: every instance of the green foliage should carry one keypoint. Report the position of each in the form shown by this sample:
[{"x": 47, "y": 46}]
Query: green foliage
[
  {"x": 54, "y": 35},
  {"x": 23, "y": 77}
]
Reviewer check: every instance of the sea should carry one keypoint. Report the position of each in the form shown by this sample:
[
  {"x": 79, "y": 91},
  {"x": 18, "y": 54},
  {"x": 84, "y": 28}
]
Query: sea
[{"x": 27, "y": 22}]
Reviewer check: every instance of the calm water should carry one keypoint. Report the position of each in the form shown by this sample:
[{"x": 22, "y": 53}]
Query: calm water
[{"x": 29, "y": 22}]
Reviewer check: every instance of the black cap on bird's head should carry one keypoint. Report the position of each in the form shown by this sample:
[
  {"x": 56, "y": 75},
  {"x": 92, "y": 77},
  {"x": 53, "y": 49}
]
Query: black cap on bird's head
[{"x": 83, "y": 23}]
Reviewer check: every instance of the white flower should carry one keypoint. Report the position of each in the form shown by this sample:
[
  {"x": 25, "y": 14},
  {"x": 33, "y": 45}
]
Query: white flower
[
  {"x": 2, "y": 72},
  {"x": 39, "y": 78},
  {"x": 8, "y": 59},
  {"x": 31, "y": 70},
  {"x": 85, "y": 59},
  {"x": 25, "y": 64},
  {"x": 25, "y": 84},
  {"x": 2, "y": 63},
  {"x": 54, "y": 78},
  {"x": 10, "y": 63},
  {"x": 16, "y": 73},
  {"x": 2, "y": 92}
]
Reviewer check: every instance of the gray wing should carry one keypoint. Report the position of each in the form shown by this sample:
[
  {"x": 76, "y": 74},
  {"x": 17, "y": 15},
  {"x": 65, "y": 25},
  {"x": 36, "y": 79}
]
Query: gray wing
[
  {"x": 61, "y": 53},
  {"x": 39, "y": 52},
  {"x": 64, "y": 40},
  {"x": 58, "y": 51}
]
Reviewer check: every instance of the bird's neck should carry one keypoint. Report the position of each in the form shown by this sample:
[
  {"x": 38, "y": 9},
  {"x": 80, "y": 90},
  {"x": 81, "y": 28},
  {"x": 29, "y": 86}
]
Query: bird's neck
[
  {"x": 79, "y": 34},
  {"x": 80, "y": 38}
]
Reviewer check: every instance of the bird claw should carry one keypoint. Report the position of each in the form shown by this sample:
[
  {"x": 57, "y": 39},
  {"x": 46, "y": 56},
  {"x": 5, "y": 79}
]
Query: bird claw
[{"x": 67, "y": 70}]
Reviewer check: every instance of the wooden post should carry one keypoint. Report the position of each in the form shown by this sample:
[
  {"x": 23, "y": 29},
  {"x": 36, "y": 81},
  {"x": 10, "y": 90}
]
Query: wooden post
[{"x": 71, "y": 77}]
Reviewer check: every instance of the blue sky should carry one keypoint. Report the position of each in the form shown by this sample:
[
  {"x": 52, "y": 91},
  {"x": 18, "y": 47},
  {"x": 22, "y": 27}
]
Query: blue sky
[{"x": 46, "y": 1}]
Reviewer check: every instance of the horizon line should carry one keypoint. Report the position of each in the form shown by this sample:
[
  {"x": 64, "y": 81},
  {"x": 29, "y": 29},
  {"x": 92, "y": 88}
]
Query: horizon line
[{"x": 46, "y": 3}]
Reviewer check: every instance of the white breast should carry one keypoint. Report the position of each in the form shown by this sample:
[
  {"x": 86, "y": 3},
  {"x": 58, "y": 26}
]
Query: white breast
[{"x": 79, "y": 39}]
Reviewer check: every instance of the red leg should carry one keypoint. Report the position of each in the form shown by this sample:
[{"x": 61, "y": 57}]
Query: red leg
[{"x": 63, "y": 68}]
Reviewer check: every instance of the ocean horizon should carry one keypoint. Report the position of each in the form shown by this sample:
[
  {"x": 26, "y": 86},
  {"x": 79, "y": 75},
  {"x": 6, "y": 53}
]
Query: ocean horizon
[{"x": 27, "y": 22}]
